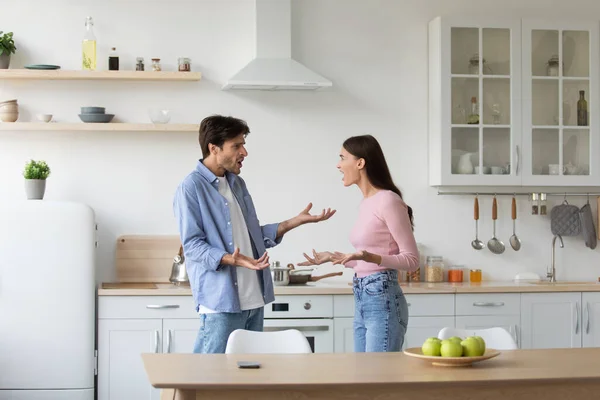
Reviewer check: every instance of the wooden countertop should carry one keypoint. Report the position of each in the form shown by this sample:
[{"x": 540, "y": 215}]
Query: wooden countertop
[
  {"x": 197, "y": 371},
  {"x": 323, "y": 288}
]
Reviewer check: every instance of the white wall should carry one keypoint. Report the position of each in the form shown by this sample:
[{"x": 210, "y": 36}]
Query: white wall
[{"x": 374, "y": 51}]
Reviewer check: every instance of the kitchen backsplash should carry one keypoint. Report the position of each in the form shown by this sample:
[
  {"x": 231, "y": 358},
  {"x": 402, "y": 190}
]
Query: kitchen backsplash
[{"x": 379, "y": 73}]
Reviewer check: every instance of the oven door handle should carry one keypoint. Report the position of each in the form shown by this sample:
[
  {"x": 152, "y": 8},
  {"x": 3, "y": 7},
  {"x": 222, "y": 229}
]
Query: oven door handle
[{"x": 300, "y": 328}]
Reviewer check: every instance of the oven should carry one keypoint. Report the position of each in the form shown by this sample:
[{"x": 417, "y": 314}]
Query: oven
[{"x": 312, "y": 315}]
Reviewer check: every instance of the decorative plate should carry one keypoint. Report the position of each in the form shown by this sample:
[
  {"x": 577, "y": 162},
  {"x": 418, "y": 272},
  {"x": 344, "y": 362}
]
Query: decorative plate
[
  {"x": 42, "y": 66},
  {"x": 451, "y": 361}
]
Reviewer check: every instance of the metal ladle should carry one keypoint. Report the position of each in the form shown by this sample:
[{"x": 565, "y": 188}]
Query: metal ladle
[
  {"x": 514, "y": 240},
  {"x": 495, "y": 245},
  {"x": 477, "y": 244}
]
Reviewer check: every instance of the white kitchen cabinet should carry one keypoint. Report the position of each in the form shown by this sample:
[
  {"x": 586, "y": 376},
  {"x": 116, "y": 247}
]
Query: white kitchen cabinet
[
  {"x": 560, "y": 64},
  {"x": 551, "y": 320},
  {"x": 526, "y": 77},
  {"x": 179, "y": 335},
  {"x": 591, "y": 319},
  {"x": 121, "y": 373},
  {"x": 474, "y": 101},
  {"x": 343, "y": 339}
]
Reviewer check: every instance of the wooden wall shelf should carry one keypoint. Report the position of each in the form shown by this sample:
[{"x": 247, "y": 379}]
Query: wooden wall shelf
[
  {"x": 106, "y": 127},
  {"x": 59, "y": 74}
]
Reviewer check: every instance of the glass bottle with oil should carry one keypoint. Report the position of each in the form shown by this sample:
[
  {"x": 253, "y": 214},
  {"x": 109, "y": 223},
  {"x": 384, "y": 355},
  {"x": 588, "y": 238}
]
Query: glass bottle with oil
[{"x": 88, "y": 46}]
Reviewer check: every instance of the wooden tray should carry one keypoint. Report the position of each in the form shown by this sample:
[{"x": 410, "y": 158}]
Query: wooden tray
[{"x": 451, "y": 361}]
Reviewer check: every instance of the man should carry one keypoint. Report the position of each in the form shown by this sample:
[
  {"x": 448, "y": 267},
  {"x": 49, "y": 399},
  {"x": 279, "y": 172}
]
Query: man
[{"x": 224, "y": 244}]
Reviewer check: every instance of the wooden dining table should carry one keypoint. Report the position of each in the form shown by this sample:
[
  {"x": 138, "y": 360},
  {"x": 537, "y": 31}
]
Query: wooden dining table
[{"x": 541, "y": 374}]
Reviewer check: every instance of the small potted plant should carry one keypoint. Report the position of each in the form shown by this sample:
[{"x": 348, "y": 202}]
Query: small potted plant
[
  {"x": 35, "y": 174},
  {"x": 7, "y": 47}
]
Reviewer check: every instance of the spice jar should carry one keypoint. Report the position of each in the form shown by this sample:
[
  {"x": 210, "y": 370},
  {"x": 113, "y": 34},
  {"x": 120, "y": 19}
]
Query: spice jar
[
  {"x": 156, "y": 64},
  {"x": 552, "y": 66},
  {"x": 475, "y": 275},
  {"x": 414, "y": 276},
  {"x": 184, "y": 64},
  {"x": 139, "y": 64},
  {"x": 455, "y": 273},
  {"x": 543, "y": 210},
  {"x": 434, "y": 269},
  {"x": 534, "y": 206}
]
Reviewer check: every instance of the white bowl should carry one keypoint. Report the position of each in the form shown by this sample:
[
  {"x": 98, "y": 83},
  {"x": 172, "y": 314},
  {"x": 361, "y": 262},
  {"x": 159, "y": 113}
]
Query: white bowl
[
  {"x": 44, "y": 117},
  {"x": 159, "y": 116}
]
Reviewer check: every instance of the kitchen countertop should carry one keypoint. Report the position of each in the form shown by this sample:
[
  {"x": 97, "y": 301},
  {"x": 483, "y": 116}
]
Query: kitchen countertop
[
  {"x": 518, "y": 374},
  {"x": 342, "y": 287}
]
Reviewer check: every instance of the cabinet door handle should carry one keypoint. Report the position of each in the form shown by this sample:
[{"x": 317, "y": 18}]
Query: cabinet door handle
[
  {"x": 168, "y": 341},
  {"x": 518, "y": 160},
  {"x": 162, "y": 306},
  {"x": 587, "y": 321},
  {"x": 577, "y": 318},
  {"x": 488, "y": 304},
  {"x": 156, "y": 339},
  {"x": 516, "y": 335}
]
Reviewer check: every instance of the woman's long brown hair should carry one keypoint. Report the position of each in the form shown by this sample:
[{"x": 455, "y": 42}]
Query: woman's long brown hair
[{"x": 368, "y": 148}]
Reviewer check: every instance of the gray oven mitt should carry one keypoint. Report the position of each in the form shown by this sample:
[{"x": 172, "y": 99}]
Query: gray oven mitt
[
  {"x": 587, "y": 226},
  {"x": 565, "y": 220}
]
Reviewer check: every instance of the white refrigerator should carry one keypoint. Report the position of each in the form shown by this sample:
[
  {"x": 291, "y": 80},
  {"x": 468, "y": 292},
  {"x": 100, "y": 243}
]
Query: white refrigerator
[{"x": 47, "y": 301}]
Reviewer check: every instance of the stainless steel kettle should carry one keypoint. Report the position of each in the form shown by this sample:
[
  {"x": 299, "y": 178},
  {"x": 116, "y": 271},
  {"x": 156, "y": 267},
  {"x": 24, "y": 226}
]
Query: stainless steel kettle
[{"x": 178, "y": 272}]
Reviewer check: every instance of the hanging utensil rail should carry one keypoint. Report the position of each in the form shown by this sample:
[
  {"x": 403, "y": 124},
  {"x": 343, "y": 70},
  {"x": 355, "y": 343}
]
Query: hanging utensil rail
[{"x": 558, "y": 194}]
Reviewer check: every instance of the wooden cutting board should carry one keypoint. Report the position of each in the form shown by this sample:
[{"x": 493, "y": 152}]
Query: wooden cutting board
[{"x": 145, "y": 258}]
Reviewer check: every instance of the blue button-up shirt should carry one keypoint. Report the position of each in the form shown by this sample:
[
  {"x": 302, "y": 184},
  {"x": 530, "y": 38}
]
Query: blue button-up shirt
[{"x": 206, "y": 234}]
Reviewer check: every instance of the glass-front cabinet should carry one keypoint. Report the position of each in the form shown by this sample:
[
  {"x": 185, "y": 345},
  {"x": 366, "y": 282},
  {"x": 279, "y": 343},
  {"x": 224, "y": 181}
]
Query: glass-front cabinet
[
  {"x": 560, "y": 103},
  {"x": 474, "y": 96},
  {"x": 512, "y": 102}
]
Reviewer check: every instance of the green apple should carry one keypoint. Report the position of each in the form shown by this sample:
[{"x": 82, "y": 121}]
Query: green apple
[
  {"x": 431, "y": 347},
  {"x": 471, "y": 347},
  {"x": 481, "y": 343},
  {"x": 432, "y": 339},
  {"x": 456, "y": 339},
  {"x": 451, "y": 348}
]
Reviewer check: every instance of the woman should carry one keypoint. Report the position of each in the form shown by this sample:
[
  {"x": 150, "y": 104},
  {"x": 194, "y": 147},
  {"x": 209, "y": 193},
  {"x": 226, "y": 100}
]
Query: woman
[{"x": 384, "y": 240}]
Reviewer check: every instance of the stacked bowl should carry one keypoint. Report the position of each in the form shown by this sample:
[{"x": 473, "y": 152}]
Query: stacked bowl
[
  {"x": 9, "y": 111},
  {"x": 95, "y": 115}
]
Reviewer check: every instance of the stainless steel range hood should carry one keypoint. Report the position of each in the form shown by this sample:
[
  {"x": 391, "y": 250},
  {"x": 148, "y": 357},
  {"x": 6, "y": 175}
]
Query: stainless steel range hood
[{"x": 273, "y": 67}]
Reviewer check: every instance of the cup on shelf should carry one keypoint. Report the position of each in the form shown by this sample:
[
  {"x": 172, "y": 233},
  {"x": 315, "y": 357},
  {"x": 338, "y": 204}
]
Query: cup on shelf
[
  {"x": 44, "y": 117},
  {"x": 554, "y": 169}
]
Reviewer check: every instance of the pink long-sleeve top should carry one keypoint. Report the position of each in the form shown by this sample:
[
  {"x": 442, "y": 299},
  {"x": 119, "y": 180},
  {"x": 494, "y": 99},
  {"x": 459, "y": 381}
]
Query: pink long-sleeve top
[{"x": 383, "y": 228}]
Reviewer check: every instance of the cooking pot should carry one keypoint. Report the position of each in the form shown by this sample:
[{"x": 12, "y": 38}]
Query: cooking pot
[
  {"x": 178, "y": 272},
  {"x": 283, "y": 276}
]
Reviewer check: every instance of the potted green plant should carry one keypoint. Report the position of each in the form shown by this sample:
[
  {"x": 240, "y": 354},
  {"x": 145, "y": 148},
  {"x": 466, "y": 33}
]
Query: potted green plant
[
  {"x": 7, "y": 47},
  {"x": 35, "y": 174}
]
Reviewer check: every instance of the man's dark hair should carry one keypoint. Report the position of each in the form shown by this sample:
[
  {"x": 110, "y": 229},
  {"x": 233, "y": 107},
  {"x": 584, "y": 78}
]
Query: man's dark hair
[{"x": 217, "y": 129}]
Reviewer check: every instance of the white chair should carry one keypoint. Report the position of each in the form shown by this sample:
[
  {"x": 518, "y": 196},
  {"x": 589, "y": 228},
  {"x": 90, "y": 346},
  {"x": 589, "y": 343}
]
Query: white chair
[
  {"x": 251, "y": 342},
  {"x": 495, "y": 338}
]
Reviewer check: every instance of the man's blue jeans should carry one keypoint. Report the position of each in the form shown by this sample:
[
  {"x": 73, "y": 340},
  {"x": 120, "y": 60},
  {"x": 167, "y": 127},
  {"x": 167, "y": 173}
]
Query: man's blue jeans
[{"x": 215, "y": 328}]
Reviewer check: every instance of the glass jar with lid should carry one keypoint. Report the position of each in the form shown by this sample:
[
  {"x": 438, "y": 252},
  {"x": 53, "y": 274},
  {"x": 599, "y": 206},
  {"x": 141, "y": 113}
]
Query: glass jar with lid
[
  {"x": 434, "y": 269},
  {"x": 156, "y": 64},
  {"x": 455, "y": 273},
  {"x": 552, "y": 66},
  {"x": 184, "y": 64}
]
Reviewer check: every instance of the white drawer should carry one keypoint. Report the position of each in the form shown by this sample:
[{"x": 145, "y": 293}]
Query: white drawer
[
  {"x": 425, "y": 305},
  {"x": 343, "y": 305},
  {"x": 300, "y": 306},
  {"x": 421, "y": 305},
  {"x": 488, "y": 304},
  {"x": 146, "y": 307}
]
